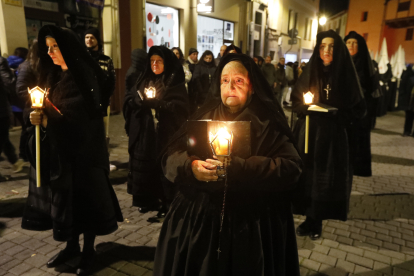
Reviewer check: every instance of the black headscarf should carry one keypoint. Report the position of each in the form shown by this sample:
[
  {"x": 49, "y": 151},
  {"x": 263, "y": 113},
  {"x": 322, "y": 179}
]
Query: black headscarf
[
  {"x": 345, "y": 89},
  {"x": 181, "y": 59},
  {"x": 263, "y": 96},
  {"x": 363, "y": 65},
  {"x": 86, "y": 73},
  {"x": 208, "y": 64}
]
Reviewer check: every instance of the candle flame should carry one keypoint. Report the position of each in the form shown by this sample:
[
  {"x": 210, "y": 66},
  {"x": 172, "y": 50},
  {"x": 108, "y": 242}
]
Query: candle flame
[
  {"x": 37, "y": 95},
  {"x": 221, "y": 142},
  {"x": 308, "y": 97},
  {"x": 150, "y": 92}
]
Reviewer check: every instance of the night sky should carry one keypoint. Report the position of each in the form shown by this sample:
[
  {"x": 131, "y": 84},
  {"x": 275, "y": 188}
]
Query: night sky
[{"x": 332, "y": 7}]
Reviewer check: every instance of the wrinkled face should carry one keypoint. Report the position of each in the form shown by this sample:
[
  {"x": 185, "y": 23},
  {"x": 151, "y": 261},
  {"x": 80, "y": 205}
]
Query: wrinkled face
[
  {"x": 268, "y": 60},
  {"x": 91, "y": 41},
  {"x": 176, "y": 53},
  {"x": 222, "y": 50},
  {"x": 157, "y": 64},
  {"x": 282, "y": 61},
  {"x": 194, "y": 56},
  {"x": 54, "y": 52},
  {"x": 208, "y": 58},
  {"x": 352, "y": 45},
  {"x": 236, "y": 89},
  {"x": 326, "y": 50}
]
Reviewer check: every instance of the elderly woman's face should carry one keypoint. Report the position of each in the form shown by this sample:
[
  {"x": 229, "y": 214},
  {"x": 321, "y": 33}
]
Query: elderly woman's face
[
  {"x": 236, "y": 88},
  {"x": 157, "y": 64},
  {"x": 55, "y": 53}
]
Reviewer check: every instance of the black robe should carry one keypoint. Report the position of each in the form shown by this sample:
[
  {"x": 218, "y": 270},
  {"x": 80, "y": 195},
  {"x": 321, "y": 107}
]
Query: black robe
[
  {"x": 385, "y": 99},
  {"x": 258, "y": 231},
  {"x": 146, "y": 139},
  {"x": 325, "y": 186},
  {"x": 202, "y": 77},
  {"x": 361, "y": 129}
]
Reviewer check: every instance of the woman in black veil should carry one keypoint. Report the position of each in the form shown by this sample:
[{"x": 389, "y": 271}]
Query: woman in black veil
[
  {"x": 256, "y": 234},
  {"x": 325, "y": 186},
  {"x": 75, "y": 196},
  {"x": 369, "y": 80}
]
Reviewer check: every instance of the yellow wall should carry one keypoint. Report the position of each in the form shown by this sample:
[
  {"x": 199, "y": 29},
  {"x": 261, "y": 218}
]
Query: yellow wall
[{"x": 12, "y": 28}]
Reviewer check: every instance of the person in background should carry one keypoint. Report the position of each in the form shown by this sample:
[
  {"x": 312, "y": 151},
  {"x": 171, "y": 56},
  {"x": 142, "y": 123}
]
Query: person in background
[
  {"x": 324, "y": 189},
  {"x": 281, "y": 80},
  {"x": 290, "y": 78},
  {"x": 28, "y": 77},
  {"x": 406, "y": 100},
  {"x": 151, "y": 123},
  {"x": 179, "y": 54},
  {"x": 220, "y": 55},
  {"x": 75, "y": 196},
  {"x": 192, "y": 60},
  {"x": 19, "y": 55},
  {"x": 137, "y": 68},
  {"x": 203, "y": 75},
  {"x": 269, "y": 72},
  {"x": 94, "y": 45}
]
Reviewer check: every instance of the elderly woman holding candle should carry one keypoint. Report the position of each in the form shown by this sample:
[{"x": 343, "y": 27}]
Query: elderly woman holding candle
[
  {"x": 75, "y": 196},
  {"x": 154, "y": 109},
  {"x": 325, "y": 186},
  {"x": 255, "y": 233}
]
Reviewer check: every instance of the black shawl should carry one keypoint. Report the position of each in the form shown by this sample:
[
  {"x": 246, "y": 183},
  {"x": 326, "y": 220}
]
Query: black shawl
[
  {"x": 87, "y": 74},
  {"x": 368, "y": 76},
  {"x": 346, "y": 91}
]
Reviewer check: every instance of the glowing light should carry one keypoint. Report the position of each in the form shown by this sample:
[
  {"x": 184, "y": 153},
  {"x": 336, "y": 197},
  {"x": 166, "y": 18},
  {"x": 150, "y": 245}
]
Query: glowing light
[
  {"x": 37, "y": 96},
  {"x": 150, "y": 92},
  {"x": 322, "y": 20},
  {"x": 308, "y": 97},
  {"x": 221, "y": 142}
]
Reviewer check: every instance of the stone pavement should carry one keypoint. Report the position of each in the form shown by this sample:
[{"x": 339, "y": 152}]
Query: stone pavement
[{"x": 378, "y": 238}]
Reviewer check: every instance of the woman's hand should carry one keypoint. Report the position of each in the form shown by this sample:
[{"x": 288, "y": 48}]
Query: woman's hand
[
  {"x": 204, "y": 171},
  {"x": 38, "y": 118}
]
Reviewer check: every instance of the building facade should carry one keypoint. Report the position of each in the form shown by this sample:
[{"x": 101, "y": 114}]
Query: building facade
[
  {"x": 337, "y": 23},
  {"x": 392, "y": 19}
]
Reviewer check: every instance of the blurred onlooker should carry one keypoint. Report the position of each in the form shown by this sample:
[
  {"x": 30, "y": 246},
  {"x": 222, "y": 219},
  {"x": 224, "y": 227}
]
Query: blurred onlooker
[
  {"x": 223, "y": 48},
  {"x": 269, "y": 72},
  {"x": 188, "y": 74},
  {"x": 19, "y": 55},
  {"x": 203, "y": 75},
  {"x": 290, "y": 78},
  {"x": 280, "y": 79},
  {"x": 192, "y": 94},
  {"x": 6, "y": 83},
  {"x": 28, "y": 76}
]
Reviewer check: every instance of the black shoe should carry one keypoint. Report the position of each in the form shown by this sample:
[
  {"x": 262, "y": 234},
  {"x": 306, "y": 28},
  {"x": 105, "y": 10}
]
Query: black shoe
[
  {"x": 62, "y": 257},
  {"x": 316, "y": 231},
  {"x": 303, "y": 229},
  {"x": 86, "y": 263},
  {"x": 405, "y": 134}
]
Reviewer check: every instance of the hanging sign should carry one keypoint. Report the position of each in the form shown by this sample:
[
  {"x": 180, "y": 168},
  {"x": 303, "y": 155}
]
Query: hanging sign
[{"x": 205, "y": 6}]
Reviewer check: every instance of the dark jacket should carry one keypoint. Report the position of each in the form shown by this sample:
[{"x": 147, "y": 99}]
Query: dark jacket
[
  {"x": 107, "y": 67},
  {"x": 138, "y": 62},
  {"x": 269, "y": 71},
  {"x": 280, "y": 78},
  {"x": 27, "y": 78},
  {"x": 6, "y": 87},
  {"x": 202, "y": 77}
]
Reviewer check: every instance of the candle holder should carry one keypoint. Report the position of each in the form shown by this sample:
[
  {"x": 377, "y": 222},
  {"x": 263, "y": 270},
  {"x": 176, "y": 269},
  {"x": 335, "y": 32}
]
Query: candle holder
[
  {"x": 221, "y": 145},
  {"x": 308, "y": 98},
  {"x": 37, "y": 96}
]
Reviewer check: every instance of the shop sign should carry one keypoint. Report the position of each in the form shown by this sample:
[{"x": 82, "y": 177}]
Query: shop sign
[
  {"x": 206, "y": 6},
  {"x": 42, "y": 5},
  {"x": 79, "y": 22},
  {"x": 14, "y": 2}
]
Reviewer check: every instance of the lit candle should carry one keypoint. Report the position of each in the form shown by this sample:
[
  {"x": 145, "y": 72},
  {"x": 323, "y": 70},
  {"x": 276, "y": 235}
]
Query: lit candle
[
  {"x": 150, "y": 92},
  {"x": 221, "y": 142},
  {"x": 308, "y": 99}
]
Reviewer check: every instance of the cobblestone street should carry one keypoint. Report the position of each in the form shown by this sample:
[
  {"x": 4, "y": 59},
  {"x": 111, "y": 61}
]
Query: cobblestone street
[{"x": 378, "y": 238}]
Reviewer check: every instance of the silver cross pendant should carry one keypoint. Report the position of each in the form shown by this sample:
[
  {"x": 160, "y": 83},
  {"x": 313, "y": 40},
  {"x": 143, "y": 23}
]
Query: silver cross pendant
[{"x": 327, "y": 89}]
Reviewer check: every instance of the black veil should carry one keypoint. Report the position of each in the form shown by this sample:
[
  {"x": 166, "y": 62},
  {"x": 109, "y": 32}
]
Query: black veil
[
  {"x": 86, "y": 72},
  {"x": 346, "y": 91},
  {"x": 363, "y": 62}
]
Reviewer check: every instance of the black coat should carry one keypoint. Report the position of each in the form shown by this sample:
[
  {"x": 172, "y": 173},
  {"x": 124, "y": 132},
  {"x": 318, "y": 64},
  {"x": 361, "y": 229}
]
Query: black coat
[
  {"x": 151, "y": 123},
  {"x": 27, "y": 78},
  {"x": 325, "y": 186},
  {"x": 202, "y": 78},
  {"x": 257, "y": 237},
  {"x": 76, "y": 195},
  {"x": 6, "y": 87},
  {"x": 406, "y": 96}
]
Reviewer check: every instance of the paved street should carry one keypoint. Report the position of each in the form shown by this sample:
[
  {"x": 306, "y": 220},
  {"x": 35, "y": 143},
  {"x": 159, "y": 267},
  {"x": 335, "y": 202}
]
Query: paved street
[{"x": 378, "y": 238}]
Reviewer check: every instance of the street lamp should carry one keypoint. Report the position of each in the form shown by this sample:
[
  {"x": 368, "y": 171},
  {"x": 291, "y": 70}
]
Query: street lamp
[{"x": 322, "y": 20}]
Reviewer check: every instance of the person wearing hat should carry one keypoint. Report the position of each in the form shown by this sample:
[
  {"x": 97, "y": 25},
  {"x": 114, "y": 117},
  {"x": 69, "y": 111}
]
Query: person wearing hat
[{"x": 192, "y": 60}]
